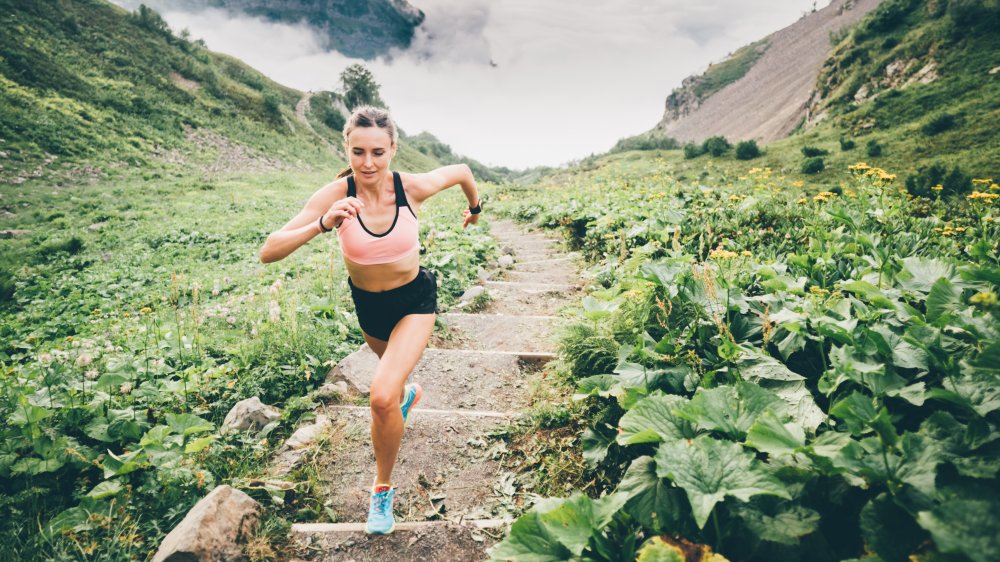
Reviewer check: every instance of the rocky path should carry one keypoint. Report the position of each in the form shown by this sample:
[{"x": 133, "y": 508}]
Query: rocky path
[{"x": 451, "y": 494}]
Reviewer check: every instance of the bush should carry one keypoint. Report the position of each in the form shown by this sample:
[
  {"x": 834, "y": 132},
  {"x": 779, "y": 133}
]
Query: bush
[
  {"x": 813, "y": 165},
  {"x": 746, "y": 150},
  {"x": 811, "y": 151},
  {"x": 873, "y": 148},
  {"x": 939, "y": 124},
  {"x": 716, "y": 146},
  {"x": 952, "y": 182},
  {"x": 272, "y": 106},
  {"x": 846, "y": 144},
  {"x": 646, "y": 142},
  {"x": 692, "y": 150}
]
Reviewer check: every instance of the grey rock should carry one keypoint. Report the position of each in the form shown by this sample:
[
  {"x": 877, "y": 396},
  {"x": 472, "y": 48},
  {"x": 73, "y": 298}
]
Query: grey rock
[
  {"x": 213, "y": 530},
  {"x": 506, "y": 250},
  {"x": 333, "y": 389},
  {"x": 471, "y": 293},
  {"x": 249, "y": 414},
  {"x": 306, "y": 435},
  {"x": 505, "y": 261},
  {"x": 97, "y": 226}
]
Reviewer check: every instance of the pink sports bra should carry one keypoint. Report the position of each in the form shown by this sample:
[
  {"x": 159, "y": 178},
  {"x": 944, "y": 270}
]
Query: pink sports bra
[{"x": 363, "y": 246}]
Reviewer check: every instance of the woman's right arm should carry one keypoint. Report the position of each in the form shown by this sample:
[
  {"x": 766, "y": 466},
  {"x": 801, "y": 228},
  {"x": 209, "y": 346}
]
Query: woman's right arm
[{"x": 305, "y": 225}]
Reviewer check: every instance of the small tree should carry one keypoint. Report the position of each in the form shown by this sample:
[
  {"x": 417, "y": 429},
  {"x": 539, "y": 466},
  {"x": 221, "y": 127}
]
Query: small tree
[
  {"x": 873, "y": 148},
  {"x": 810, "y": 151},
  {"x": 692, "y": 150},
  {"x": 747, "y": 150},
  {"x": 360, "y": 87},
  {"x": 716, "y": 146},
  {"x": 813, "y": 165},
  {"x": 846, "y": 144}
]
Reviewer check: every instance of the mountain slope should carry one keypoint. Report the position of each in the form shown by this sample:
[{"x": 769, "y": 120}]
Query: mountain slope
[{"x": 768, "y": 100}]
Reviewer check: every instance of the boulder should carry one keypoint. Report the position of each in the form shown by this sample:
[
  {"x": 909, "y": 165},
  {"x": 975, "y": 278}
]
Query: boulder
[
  {"x": 333, "y": 389},
  {"x": 308, "y": 434},
  {"x": 249, "y": 414},
  {"x": 214, "y": 529},
  {"x": 471, "y": 293},
  {"x": 505, "y": 261}
]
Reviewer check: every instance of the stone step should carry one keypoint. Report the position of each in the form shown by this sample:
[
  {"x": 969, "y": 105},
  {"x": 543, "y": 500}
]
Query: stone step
[
  {"x": 429, "y": 412},
  {"x": 532, "y": 287},
  {"x": 555, "y": 273},
  {"x": 454, "y": 379},
  {"x": 520, "y": 298},
  {"x": 426, "y": 541},
  {"x": 447, "y": 467},
  {"x": 497, "y": 332},
  {"x": 544, "y": 264},
  {"x": 544, "y": 256}
]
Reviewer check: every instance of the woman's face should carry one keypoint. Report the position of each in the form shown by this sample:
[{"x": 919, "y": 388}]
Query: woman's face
[{"x": 370, "y": 150}]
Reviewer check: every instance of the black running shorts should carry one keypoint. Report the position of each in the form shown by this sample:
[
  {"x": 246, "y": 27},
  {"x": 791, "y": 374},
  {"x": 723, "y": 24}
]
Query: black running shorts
[{"x": 378, "y": 313}]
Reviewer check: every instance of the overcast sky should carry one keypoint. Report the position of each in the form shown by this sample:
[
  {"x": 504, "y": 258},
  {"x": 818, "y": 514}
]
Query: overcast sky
[{"x": 570, "y": 78}]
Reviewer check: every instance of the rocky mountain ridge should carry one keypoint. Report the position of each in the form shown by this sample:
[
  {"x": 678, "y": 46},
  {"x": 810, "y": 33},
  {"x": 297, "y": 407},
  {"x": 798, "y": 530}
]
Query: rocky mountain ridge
[{"x": 769, "y": 99}]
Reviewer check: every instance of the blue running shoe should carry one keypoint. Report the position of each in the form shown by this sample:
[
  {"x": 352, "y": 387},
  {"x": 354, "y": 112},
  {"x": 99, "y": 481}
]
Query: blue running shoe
[
  {"x": 411, "y": 395},
  {"x": 380, "y": 519}
]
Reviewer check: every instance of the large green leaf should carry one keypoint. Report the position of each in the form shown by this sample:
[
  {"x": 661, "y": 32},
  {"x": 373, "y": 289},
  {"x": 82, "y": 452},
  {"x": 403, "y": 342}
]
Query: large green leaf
[
  {"x": 944, "y": 301},
  {"x": 919, "y": 274},
  {"x": 889, "y": 530},
  {"x": 557, "y": 529},
  {"x": 730, "y": 409},
  {"x": 709, "y": 470},
  {"x": 653, "y": 419},
  {"x": 773, "y": 375},
  {"x": 188, "y": 424},
  {"x": 652, "y": 501},
  {"x": 769, "y": 435},
  {"x": 966, "y": 526},
  {"x": 785, "y": 524}
]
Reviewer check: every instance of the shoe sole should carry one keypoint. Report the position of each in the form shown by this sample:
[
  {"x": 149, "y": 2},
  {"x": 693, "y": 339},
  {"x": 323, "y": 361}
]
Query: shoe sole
[
  {"x": 391, "y": 529},
  {"x": 416, "y": 398}
]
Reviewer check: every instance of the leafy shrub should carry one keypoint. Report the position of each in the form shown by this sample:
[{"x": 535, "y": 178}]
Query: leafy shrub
[
  {"x": 873, "y": 148},
  {"x": 272, "y": 106},
  {"x": 811, "y": 151},
  {"x": 939, "y": 124},
  {"x": 813, "y": 165},
  {"x": 645, "y": 142},
  {"x": 953, "y": 182},
  {"x": 6, "y": 287},
  {"x": 746, "y": 150},
  {"x": 587, "y": 352},
  {"x": 716, "y": 146},
  {"x": 847, "y": 144},
  {"x": 692, "y": 150}
]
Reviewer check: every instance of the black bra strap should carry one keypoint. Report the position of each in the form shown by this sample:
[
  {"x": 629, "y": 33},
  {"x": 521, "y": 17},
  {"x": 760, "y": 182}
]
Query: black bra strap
[
  {"x": 352, "y": 188},
  {"x": 400, "y": 194}
]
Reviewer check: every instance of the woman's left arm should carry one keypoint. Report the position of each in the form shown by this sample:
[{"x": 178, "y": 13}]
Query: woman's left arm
[{"x": 430, "y": 183}]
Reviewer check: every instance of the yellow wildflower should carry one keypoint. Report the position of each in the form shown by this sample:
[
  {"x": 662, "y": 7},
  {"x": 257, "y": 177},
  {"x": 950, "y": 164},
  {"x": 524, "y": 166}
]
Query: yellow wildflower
[
  {"x": 983, "y": 195},
  {"x": 858, "y": 167},
  {"x": 722, "y": 254},
  {"x": 746, "y": 253},
  {"x": 982, "y": 180},
  {"x": 937, "y": 187},
  {"x": 984, "y": 299}
]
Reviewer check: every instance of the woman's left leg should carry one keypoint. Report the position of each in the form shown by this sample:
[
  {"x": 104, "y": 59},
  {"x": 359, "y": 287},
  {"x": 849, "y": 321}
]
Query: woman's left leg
[{"x": 406, "y": 344}]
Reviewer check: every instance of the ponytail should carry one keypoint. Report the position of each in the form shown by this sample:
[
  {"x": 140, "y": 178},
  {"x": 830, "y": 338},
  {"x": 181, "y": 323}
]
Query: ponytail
[{"x": 345, "y": 172}]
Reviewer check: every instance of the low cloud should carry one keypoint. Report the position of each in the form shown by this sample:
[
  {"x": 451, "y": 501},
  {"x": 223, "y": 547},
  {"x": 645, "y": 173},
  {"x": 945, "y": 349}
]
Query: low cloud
[{"x": 518, "y": 82}]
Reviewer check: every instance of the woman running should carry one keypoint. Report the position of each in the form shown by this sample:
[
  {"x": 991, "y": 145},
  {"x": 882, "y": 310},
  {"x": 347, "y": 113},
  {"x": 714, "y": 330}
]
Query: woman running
[{"x": 374, "y": 211}]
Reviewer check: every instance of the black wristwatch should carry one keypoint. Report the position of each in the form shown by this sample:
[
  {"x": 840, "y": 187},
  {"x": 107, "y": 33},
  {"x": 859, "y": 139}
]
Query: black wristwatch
[{"x": 478, "y": 208}]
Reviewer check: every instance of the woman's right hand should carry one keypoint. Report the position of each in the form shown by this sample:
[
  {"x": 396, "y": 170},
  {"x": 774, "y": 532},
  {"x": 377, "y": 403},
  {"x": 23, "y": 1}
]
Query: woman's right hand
[{"x": 342, "y": 210}]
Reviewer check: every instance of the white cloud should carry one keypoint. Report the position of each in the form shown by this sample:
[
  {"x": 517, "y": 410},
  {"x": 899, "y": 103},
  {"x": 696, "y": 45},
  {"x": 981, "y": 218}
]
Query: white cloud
[{"x": 570, "y": 78}]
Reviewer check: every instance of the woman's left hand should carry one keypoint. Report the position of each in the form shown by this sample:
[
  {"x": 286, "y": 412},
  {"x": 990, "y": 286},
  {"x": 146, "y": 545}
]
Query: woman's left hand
[{"x": 470, "y": 218}]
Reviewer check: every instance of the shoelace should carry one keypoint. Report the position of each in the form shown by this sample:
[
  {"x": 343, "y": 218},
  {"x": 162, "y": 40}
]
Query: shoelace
[{"x": 380, "y": 501}]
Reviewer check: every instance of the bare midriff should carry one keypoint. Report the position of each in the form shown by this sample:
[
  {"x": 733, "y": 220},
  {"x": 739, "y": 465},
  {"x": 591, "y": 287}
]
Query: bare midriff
[{"x": 384, "y": 276}]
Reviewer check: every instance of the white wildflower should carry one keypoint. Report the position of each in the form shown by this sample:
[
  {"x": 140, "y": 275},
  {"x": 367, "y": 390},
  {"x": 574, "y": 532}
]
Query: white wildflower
[
  {"x": 45, "y": 358},
  {"x": 84, "y": 359},
  {"x": 231, "y": 320},
  {"x": 91, "y": 374}
]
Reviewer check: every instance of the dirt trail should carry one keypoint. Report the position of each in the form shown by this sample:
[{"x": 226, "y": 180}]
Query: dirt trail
[{"x": 450, "y": 499}]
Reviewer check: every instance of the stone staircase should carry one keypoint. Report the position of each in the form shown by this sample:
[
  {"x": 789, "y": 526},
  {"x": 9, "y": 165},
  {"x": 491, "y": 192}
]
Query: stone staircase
[{"x": 450, "y": 493}]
